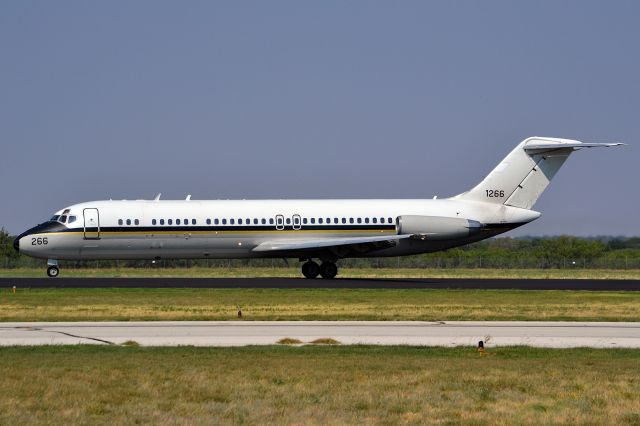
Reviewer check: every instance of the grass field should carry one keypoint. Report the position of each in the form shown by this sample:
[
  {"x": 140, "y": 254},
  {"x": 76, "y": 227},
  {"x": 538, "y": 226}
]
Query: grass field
[
  {"x": 317, "y": 385},
  {"x": 294, "y": 272},
  {"x": 66, "y": 304}
]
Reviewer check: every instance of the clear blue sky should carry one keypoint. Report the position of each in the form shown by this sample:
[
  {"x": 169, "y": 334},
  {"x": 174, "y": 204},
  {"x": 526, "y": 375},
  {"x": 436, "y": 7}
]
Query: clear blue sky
[{"x": 298, "y": 99}]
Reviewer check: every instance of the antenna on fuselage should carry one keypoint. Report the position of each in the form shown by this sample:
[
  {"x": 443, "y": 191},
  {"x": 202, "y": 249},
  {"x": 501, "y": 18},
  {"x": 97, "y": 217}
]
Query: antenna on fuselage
[
  {"x": 157, "y": 197},
  {"x": 188, "y": 197}
]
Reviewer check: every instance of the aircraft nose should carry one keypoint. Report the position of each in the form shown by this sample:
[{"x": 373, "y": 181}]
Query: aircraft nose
[{"x": 16, "y": 244}]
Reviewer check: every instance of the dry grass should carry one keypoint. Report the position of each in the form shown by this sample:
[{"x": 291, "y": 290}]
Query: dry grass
[
  {"x": 289, "y": 341},
  {"x": 294, "y": 272},
  {"x": 325, "y": 341},
  {"x": 317, "y": 385},
  {"x": 315, "y": 304}
]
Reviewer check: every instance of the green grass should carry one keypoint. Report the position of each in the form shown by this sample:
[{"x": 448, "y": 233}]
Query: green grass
[
  {"x": 294, "y": 272},
  {"x": 65, "y": 304},
  {"x": 317, "y": 385}
]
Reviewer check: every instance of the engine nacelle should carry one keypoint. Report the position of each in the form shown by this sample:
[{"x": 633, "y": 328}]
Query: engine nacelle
[{"x": 437, "y": 227}]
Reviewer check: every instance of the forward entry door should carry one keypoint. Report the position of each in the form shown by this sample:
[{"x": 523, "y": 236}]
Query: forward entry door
[{"x": 91, "y": 224}]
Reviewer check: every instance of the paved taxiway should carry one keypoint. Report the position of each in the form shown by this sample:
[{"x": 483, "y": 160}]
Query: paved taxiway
[
  {"x": 364, "y": 283},
  {"x": 240, "y": 333}
]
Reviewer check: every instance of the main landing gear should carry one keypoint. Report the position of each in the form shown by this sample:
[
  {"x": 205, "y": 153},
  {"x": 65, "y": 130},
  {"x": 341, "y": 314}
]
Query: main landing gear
[
  {"x": 53, "y": 270},
  {"x": 327, "y": 270}
]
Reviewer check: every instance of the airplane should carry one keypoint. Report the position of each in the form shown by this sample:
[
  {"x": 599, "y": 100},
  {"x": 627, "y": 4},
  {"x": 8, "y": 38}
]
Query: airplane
[{"x": 327, "y": 230}]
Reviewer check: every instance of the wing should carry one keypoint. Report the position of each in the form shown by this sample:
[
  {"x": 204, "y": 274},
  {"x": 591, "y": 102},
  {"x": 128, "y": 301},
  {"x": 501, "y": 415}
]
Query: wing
[{"x": 337, "y": 246}]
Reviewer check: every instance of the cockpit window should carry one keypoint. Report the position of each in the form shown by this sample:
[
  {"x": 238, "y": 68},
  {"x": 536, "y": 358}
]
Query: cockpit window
[
  {"x": 55, "y": 218},
  {"x": 63, "y": 219},
  {"x": 71, "y": 219}
]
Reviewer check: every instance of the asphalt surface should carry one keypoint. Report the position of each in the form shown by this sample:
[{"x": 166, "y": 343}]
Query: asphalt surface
[
  {"x": 289, "y": 283},
  {"x": 240, "y": 333}
]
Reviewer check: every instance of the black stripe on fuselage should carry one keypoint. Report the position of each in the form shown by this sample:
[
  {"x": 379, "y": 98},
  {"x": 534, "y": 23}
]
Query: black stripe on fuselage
[{"x": 226, "y": 228}]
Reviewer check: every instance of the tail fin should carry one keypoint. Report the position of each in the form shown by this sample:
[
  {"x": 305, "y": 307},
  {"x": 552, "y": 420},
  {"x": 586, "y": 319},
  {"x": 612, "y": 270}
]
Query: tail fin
[{"x": 523, "y": 175}]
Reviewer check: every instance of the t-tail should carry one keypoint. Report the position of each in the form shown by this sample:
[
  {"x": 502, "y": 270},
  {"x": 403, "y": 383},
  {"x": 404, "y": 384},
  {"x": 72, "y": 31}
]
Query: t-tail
[{"x": 523, "y": 175}]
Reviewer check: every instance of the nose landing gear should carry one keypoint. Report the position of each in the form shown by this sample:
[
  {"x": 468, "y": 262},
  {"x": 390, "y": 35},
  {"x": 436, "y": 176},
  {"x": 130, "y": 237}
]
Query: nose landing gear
[
  {"x": 327, "y": 270},
  {"x": 53, "y": 270}
]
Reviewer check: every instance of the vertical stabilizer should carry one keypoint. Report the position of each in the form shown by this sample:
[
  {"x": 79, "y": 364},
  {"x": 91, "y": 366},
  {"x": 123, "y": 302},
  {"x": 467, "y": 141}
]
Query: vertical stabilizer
[{"x": 523, "y": 175}]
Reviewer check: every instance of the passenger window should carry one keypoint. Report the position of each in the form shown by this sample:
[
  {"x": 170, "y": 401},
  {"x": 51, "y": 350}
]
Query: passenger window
[
  {"x": 359, "y": 220},
  {"x": 72, "y": 219},
  {"x": 271, "y": 221},
  {"x": 375, "y": 220},
  {"x": 137, "y": 222},
  {"x": 177, "y": 221},
  {"x": 288, "y": 221},
  {"x": 328, "y": 220},
  {"x": 304, "y": 220},
  {"x": 153, "y": 221},
  {"x": 120, "y": 222},
  {"x": 128, "y": 221},
  {"x": 320, "y": 220},
  {"x": 344, "y": 220},
  {"x": 350, "y": 220},
  {"x": 313, "y": 220},
  {"x": 366, "y": 220},
  {"x": 255, "y": 221},
  {"x": 390, "y": 220},
  {"x": 169, "y": 221},
  {"x": 161, "y": 221},
  {"x": 208, "y": 221},
  {"x": 224, "y": 221},
  {"x": 248, "y": 221},
  {"x": 231, "y": 221},
  {"x": 264, "y": 221},
  {"x": 239, "y": 221}
]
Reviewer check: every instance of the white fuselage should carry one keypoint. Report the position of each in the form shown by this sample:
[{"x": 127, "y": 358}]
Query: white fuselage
[{"x": 233, "y": 229}]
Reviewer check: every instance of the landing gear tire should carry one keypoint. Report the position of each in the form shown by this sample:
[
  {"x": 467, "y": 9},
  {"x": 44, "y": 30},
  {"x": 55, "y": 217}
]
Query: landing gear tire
[
  {"x": 328, "y": 270},
  {"x": 53, "y": 271},
  {"x": 310, "y": 269}
]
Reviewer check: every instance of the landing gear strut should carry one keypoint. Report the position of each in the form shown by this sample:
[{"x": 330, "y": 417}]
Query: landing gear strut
[{"x": 328, "y": 270}]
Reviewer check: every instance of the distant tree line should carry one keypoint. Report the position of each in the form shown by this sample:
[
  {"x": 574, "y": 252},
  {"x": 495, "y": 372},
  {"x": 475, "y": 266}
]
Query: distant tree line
[{"x": 501, "y": 252}]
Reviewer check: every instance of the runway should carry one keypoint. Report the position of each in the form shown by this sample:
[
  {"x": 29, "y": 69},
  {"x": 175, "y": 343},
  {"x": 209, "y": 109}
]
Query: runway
[
  {"x": 347, "y": 283},
  {"x": 241, "y": 333}
]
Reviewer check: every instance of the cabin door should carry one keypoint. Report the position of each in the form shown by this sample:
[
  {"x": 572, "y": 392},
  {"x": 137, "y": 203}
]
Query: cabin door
[
  {"x": 279, "y": 222},
  {"x": 91, "y": 224},
  {"x": 297, "y": 223}
]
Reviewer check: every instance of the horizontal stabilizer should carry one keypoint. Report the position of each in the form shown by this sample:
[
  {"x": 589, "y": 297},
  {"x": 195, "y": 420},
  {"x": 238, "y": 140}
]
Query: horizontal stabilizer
[
  {"x": 320, "y": 243},
  {"x": 573, "y": 144}
]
